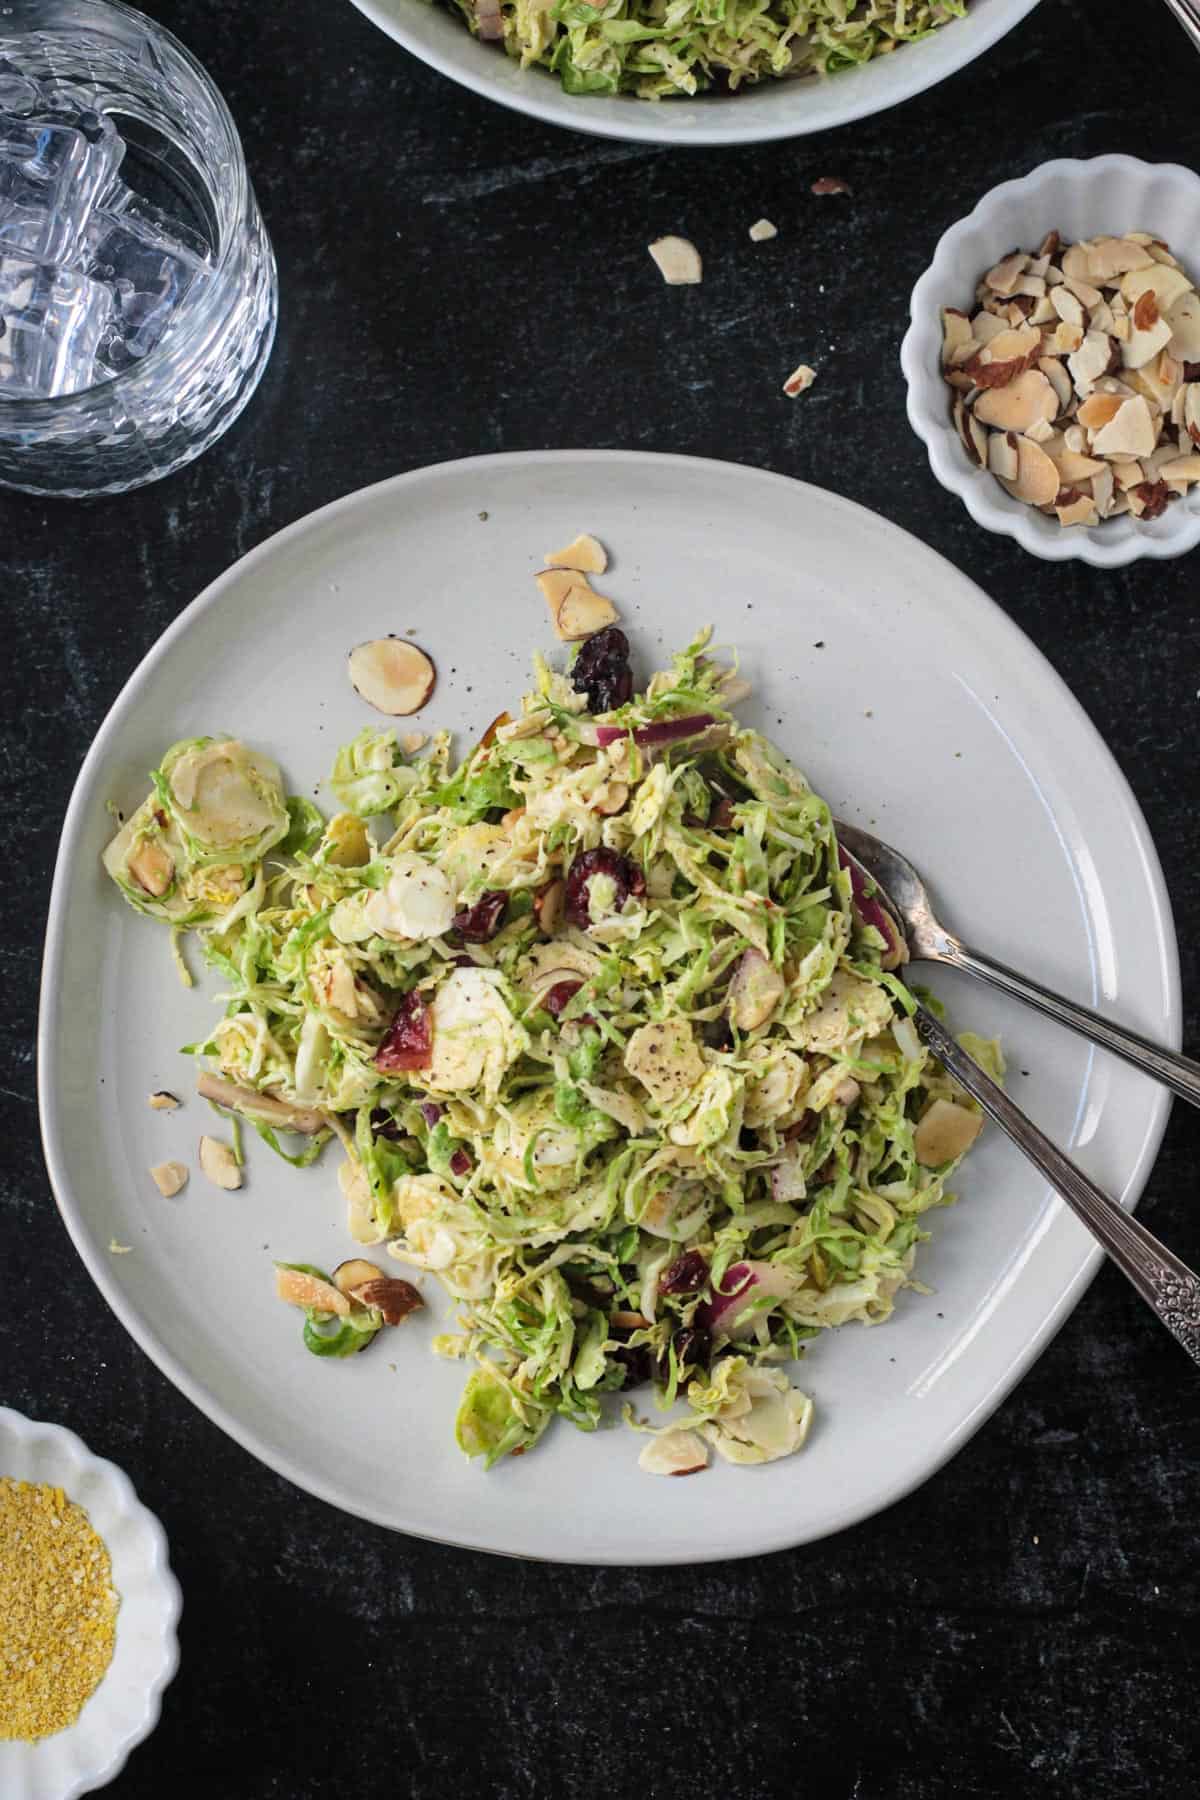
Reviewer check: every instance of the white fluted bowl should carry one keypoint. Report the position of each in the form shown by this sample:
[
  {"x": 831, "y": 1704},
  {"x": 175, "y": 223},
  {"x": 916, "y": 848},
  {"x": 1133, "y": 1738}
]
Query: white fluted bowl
[
  {"x": 1079, "y": 199},
  {"x": 124, "y": 1708}
]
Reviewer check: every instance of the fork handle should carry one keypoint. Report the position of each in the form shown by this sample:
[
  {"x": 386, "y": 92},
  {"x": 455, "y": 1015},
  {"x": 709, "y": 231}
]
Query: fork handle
[
  {"x": 1164, "y": 1282},
  {"x": 1179, "y": 1073},
  {"x": 1188, "y": 14}
]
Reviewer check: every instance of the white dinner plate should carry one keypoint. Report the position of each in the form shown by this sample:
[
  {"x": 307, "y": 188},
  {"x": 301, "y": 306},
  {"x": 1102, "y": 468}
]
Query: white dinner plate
[
  {"x": 915, "y": 707},
  {"x": 769, "y": 110}
]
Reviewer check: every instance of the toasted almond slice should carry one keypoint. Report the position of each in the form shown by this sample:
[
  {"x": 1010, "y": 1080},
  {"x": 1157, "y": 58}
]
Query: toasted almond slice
[
  {"x": 410, "y": 743},
  {"x": 1072, "y": 467},
  {"x": 169, "y": 1178},
  {"x": 1075, "y": 438},
  {"x": 582, "y": 613},
  {"x": 1102, "y": 490},
  {"x": 956, "y": 332},
  {"x": 1043, "y": 312},
  {"x": 1004, "y": 277},
  {"x": 299, "y": 1289},
  {"x": 678, "y": 1452},
  {"x": 1183, "y": 316},
  {"x": 1066, "y": 305},
  {"x": 1031, "y": 286},
  {"x": 1067, "y": 339},
  {"x": 1090, "y": 361},
  {"x": 1121, "y": 329},
  {"x": 1059, "y": 380},
  {"x": 389, "y": 1295},
  {"x": 1144, "y": 342},
  {"x": 678, "y": 261},
  {"x": 349, "y": 1275},
  {"x": 548, "y": 907},
  {"x": 556, "y": 584},
  {"x": 162, "y": 1101},
  {"x": 587, "y": 554},
  {"x": 1181, "y": 468},
  {"x": 1083, "y": 291},
  {"x": 1041, "y": 432},
  {"x": 1019, "y": 405},
  {"x": 1127, "y": 472},
  {"x": 970, "y": 432},
  {"x": 1159, "y": 251},
  {"x": 1006, "y": 355},
  {"x": 220, "y": 1164},
  {"x": 1101, "y": 318},
  {"x": 1190, "y": 414},
  {"x": 1002, "y": 455},
  {"x": 1079, "y": 511},
  {"x": 799, "y": 381},
  {"x": 762, "y": 231},
  {"x": 1098, "y": 409},
  {"x": 985, "y": 326},
  {"x": 151, "y": 867},
  {"x": 1130, "y": 432},
  {"x": 1166, "y": 284},
  {"x": 945, "y": 1131},
  {"x": 1037, "y": 478},
  {"x": 392, "y": 675}
]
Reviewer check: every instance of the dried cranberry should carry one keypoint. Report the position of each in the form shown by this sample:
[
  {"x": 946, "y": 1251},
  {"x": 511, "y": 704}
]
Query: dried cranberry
[
  {"x": 408, "y": 1041},
  {"x": 1154, "y": 496},
  {"x": 626, "y": 877},
  {"x": 602, "y": 672},
  {"x": 460, "y": 1163},
  {"x": 805, "y": 1127},
  {"x": 1191, "y": 371},
  {"x": 693, "y": 1347},
  {"x": 557, "y": 997},
  {"x": 637, "y": 1363},
  {"x": 721, "y": 816},
  {"x": 431, "y": 1112},
  {"x": 384, "y": 1125},
  {"x": 481, "y": 921},
  {"x": 687, "y": 1273}
]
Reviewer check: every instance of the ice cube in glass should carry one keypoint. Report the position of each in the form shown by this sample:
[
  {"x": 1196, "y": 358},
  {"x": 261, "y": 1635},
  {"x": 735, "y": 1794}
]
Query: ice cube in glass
[
  {"x": 51, "y": 324},
  {"x": 53, "y": 169}
]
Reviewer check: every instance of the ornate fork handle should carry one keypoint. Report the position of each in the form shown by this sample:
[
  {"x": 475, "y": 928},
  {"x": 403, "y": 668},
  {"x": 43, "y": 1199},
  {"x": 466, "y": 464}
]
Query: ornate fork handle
[
  {"x": 1188, "y": 14},
  {"x": 1167, "y": 1284}
]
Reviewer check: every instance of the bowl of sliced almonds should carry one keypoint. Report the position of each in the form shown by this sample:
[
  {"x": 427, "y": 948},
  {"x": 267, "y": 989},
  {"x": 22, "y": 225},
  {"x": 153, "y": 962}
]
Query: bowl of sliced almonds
[{"x": 1053, "y": 360}]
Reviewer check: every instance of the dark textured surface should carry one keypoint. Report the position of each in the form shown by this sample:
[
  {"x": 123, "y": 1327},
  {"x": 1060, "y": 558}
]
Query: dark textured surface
[{"x": 457, "y": 279}]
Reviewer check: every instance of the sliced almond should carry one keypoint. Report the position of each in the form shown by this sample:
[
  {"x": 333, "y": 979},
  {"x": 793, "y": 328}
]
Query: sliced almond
[
  {"x": 1098, "y": 409},
  {"x": 1145, "y": 342},
  {"x": 556, "y": 584},
  {"x": 1043, "y": 313},
  {"x": 1079, "y": 511},
  {"x": 1130, "y": 432},
  {"x": 1067, "y": 339},
  {"x": 1059, "y": 380},
  {"x": 1181, "y": 468},
  {"x": 1005, "y": 356},
  {"x": 1101, "y": 318},
  {"x": 349, "y": 1275},
  {"x": 956, "y": 332},
  {"x": 1037, "y": 478},
  {"x": 985, "y": 326},
  {"x": 678, "y": 1452},
  {"x": 1083, "y": 291},
  {"x": 609, "y": 798},
  {"x": 1002, "y": 455},
  {"x": 586, "y": 554},
  {"x": 300, "y": 1289},
  {"x": 1183, "y": 316},
  {"x": 392, "y": 675},
  {"x": 1073, "y": 468},
  {"x": 169, "y": 1178},
  {"x": 548, "y": 907},
  {"x": 945, "y": 1131},
  {"x": 1102, "y": 490},
  {"x": 1166, "y": 284},
  {"x": 1127, "y": 473},
  {"x": 582, "y": 613},
  {"x": 410, "y": 743},
  {"x": 1090, "y": 361},
  {"x": 162, "y": 1101},
  {"x": 391, "y": 1296},
  {"x": 799, "y": 381},
  {"x": 762, "y": 231},
  {"x": 220, "y": 1164},
  {"x": 1006, "y": 274},
  {"x": 972, "y": 433},
  {"x": 1075, "y": 438},
  {"x": 1107, "y": 258},
  {"x": 1190, "y": 415},
  {"x": 151, "y": 867},
  {"x": 678, "y": 261},
  {"x": 1066, "y": 305},
  {"x": 1019, "y": 405}
]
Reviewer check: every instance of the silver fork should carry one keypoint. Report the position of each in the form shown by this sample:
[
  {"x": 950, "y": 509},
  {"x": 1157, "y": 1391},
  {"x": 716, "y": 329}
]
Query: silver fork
[
  {"x": 1163, "y": 1281},
  {"x": 929, "y": 941},
  {"x": 1188, "y": 14}
]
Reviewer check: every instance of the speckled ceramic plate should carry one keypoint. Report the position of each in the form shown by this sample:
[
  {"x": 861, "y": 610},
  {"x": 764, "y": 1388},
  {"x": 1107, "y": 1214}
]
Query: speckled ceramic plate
[{"x": 914, "y": 705}]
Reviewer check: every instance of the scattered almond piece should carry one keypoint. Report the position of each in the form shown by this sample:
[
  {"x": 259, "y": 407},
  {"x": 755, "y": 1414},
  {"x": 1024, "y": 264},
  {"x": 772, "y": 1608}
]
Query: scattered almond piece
[
  {"x": 300, "y": 1289},
  {"x": 410, "y": 743},
  {"x": 1076, "y": 379},
  {"x": 799, "y": 381},
  {"x": 831, "y": 184},
  {"x": 586, "y": 554},
  {"x": 220, "y": 1164},
  {"x": 392, "y": 675},
  {"x": 762, "y": 231},
  {"x": 169, "y": 1178},
  {"x": 582, "y": 613},
  {"x": 678, "y": 261},
  {"x": 162, "y": 1101}
]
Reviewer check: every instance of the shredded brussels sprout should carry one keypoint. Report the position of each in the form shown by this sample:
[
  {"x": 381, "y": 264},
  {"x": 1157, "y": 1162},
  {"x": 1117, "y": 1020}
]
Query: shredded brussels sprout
[{"x": 609, "y": 1049}]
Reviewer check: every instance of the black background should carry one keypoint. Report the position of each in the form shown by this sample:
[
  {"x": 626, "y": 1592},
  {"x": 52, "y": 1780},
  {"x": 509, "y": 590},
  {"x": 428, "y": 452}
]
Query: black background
[{"x": 455, "y": 279}]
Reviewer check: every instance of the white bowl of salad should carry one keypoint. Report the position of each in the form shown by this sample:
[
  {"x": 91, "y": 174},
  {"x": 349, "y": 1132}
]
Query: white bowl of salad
[{"x": 673, "y": 71}]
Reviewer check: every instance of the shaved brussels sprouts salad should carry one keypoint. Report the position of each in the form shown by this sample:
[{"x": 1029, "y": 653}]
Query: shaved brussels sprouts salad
[
  {"x": 612, "y": 1045},
  {"x": 655, "y": 48}
]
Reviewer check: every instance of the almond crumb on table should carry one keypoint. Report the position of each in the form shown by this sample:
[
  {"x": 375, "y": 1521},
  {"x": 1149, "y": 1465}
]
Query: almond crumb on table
[{"x": 58, "y": 1610}]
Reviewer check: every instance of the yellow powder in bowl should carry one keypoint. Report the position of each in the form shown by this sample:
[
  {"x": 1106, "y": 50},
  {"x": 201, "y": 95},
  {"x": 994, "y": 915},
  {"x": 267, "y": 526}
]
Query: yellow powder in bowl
[{"x": 58, "y": 1609}]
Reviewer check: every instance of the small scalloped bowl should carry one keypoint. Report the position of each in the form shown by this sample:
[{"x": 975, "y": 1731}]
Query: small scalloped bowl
[
  {"x": 124, "y": 1708},
  {"x": 1108, "y": 194}
]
